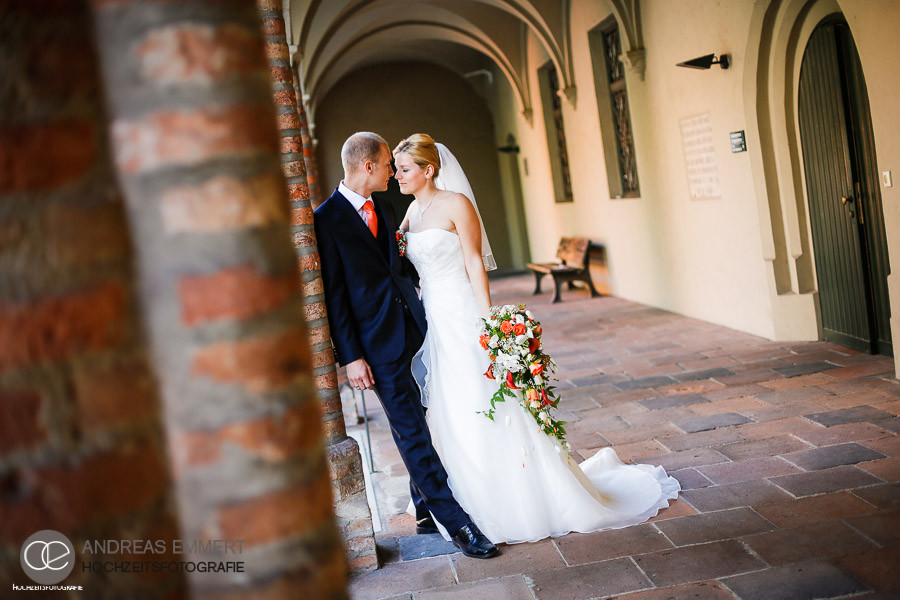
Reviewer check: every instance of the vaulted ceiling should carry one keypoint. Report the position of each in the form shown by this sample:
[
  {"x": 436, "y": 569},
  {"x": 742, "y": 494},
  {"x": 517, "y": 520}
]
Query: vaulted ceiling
[{"x": 335, "y": 37}]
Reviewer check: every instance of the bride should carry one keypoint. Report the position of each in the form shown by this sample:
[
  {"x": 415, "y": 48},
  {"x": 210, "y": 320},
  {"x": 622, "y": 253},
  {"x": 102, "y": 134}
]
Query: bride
[{"x": 517, "y": 484}]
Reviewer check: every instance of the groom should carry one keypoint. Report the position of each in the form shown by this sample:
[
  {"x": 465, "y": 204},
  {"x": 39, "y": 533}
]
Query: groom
[{"x": 378, "y": 323}]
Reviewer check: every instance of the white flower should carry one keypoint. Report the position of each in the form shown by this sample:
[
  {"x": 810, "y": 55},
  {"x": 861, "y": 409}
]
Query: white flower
[
  {"x": 543, "y": 416},
  {"x": 529, "y": 315},
  {"x": 494, "y": 341},
  {"x": 535, "y": 404},
  {"x": 494, "y": 323},
  {"x": 522, "y": 339},
  {"x": 508, "y": 362},
  {"x": 538, "y": 380},
  {"x": 529, "y": 333},
  {"x": 520, "y": 318}
]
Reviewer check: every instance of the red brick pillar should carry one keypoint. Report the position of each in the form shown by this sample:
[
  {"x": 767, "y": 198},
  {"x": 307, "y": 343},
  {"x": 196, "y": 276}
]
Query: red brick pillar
[
  {"x": 309, "y": 150},
  {"x": 345, "y": 462},
  {"x": 81, "y": 441},
  {"x": 198, "y": 157}
]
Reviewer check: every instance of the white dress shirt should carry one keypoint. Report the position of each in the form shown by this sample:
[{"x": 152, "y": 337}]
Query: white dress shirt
[{"x": 356, "y": 200}]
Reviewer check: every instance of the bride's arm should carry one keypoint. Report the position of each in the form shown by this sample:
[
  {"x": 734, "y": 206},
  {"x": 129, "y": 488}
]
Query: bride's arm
[{"x": 465, "y": 219}]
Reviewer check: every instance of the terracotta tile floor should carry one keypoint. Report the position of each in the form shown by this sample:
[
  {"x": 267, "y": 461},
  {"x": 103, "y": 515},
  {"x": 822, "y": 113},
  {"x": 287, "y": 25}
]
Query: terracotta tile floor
[{"x": 788, "y": 454}]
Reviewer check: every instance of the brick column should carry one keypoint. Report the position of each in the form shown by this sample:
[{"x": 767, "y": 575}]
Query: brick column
[
  {"x": 81, "y": 441},
  {"x": 309, "y": 150},
  {"x": 198, "y": 157},
  {"x": 345, "y": 462}
]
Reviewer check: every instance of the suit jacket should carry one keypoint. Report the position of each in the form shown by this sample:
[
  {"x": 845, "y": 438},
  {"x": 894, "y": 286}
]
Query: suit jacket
[{"x": 367, "y": 285}]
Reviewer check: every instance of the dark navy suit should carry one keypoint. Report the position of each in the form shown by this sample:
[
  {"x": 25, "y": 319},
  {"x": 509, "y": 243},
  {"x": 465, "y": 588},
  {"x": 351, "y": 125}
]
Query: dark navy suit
[{"x": 375, "y": 313}]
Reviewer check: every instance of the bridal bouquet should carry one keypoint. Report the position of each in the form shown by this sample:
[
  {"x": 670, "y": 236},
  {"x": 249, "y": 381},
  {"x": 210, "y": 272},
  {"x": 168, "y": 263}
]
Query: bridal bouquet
[
  {"x": 400, "y": 236},
  {"x": 512, "y": 338}
]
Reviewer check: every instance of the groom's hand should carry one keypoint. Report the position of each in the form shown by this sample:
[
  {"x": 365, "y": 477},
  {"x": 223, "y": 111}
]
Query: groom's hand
[{"x": 360, "y": 375}]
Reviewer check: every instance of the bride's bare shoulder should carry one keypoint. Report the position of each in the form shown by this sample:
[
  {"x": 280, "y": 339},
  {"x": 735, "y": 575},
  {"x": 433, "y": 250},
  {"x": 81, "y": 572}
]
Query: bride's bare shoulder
[
  {"x": 454, "y": 199},
  {"x": 458, "y": 203}
]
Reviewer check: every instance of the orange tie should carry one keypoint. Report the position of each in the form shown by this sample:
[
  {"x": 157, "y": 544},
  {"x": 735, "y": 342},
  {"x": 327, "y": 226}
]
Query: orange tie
[{"x": 370, "y": 217}]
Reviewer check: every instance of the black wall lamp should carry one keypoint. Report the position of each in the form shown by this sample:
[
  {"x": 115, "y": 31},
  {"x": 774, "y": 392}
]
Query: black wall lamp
[
  {"x": 705, "y": 62},
  {"x": 509, "y": 149}
]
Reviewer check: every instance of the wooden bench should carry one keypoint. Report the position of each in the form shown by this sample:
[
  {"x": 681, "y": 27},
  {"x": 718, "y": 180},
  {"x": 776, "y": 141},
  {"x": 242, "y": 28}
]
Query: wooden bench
[{"x": 574, "y": 256}]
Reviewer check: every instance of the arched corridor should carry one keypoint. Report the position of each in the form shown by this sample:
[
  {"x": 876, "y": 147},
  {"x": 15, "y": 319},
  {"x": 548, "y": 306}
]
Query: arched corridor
[{"x": 700, "y": 230}]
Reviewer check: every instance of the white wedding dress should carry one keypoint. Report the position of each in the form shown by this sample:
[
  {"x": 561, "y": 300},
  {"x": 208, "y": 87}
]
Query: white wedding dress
[{"x": 512, "y": 479}]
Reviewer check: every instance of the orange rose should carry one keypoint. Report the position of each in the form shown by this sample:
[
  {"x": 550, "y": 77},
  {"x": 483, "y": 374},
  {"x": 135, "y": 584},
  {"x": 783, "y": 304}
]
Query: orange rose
[
  {"x": 483, "y": 340},
  {"x": 533, "y": 395},
  {"x": 506, "y": 326},
  {"x": 536, "y": 368},
  {"x": 519, "y": 328},
  {"x": 510, "y": 382},
  {"x": 490, "y": 372}
]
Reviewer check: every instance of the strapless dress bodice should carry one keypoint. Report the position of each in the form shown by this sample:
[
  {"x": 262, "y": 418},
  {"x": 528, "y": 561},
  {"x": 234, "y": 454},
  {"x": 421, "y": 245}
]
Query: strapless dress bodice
[{"x": 437, "y": 256}]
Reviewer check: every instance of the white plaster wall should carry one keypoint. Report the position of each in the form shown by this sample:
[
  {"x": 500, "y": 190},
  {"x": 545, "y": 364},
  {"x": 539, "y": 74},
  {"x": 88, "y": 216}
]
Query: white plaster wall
[
  {"x": 698, "y": 258},
  {"x": 710, "y": 256}
]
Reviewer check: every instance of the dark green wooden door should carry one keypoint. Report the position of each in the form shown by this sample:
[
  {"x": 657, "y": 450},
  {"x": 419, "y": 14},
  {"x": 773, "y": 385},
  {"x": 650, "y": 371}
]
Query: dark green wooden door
[{"x": 843, "y": 190}]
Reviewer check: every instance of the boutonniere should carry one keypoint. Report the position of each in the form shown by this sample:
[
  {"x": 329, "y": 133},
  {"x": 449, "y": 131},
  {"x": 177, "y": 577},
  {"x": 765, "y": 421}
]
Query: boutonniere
[{"x": 401, "y": 241}]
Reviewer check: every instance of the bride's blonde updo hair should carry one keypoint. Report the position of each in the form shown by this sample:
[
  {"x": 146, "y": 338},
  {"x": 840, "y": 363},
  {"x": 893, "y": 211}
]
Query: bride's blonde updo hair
[{"x": 420, "y": 147}]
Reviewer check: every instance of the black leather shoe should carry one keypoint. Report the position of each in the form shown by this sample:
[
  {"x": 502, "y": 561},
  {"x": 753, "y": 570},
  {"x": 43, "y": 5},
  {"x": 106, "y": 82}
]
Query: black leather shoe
[
  {"x": 426, "y": 525},
  {"x": 473, "y": 543}
]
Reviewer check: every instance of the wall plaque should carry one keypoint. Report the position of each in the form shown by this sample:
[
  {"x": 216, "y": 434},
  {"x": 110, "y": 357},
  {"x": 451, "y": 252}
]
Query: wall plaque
[
  {"x": 738, "y": 141},
  {"x": 700, "y": 157}
]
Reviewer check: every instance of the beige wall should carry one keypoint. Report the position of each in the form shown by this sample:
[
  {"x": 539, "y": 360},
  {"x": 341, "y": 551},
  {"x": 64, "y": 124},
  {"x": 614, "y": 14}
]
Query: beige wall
[
  {"x": 699, "y": 258},
  {"x": 512, "y": 167},
  {"x": 396, "y": 100},
  {"x": 709, "y": 255}
]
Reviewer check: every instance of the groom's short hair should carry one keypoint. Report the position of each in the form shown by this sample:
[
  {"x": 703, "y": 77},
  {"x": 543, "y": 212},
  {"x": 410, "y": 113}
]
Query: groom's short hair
[{"x": 360, "y": 147}]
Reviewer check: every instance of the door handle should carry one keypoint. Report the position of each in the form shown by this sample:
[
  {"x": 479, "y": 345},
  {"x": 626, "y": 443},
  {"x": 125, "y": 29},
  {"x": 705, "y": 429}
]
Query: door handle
[{"x": 846, "y": 200}]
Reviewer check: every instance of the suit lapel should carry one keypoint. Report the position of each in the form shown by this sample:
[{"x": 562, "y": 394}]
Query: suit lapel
[
  {"x": 356, "y": 228},
  {"x": 389, "y": 233}
]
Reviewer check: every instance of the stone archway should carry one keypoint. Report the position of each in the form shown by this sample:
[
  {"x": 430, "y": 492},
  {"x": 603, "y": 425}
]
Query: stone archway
[{"x": 771, "y": 76}]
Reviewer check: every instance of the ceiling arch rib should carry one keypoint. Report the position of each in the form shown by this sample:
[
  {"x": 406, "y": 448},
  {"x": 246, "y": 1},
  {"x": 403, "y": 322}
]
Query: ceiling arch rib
[
  {"x": 548, "y": 21},
  {"x": 301, "y": 23},
  {"x": 320, "y": 80},
  {"x": 365, "y": 15},
  {"x": 628, "y": 15}
]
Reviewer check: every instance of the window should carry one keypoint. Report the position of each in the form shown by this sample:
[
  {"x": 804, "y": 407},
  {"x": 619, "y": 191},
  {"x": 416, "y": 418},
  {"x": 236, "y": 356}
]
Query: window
[
  {"x": 556, "y": 133},
  {"x": 612, "y": 104}
]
